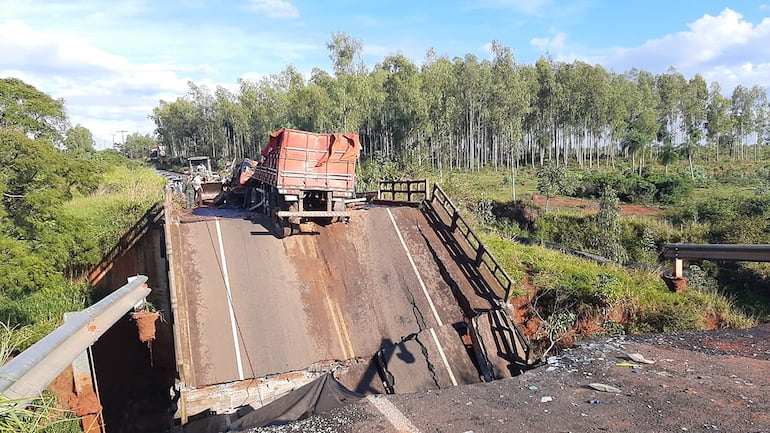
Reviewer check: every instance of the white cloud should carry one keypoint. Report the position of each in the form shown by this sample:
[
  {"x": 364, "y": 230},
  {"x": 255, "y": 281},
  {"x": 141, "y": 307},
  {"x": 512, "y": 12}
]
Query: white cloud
[
  {"x": 557, "y": 43},
  {"x": 725, "y": 48},
  {"x": 274, "y": 8},
  {"x": 102, "y": 91}
]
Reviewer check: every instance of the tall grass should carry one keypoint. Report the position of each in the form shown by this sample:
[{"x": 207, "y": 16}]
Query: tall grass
[{"x": 38, "y": 415}]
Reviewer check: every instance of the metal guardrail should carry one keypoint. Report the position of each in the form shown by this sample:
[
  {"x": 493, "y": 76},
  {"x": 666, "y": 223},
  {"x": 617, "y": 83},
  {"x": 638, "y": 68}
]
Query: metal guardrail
[
  {"x": 28, "y": 374},
  {"x": 482, "y": 255},
  {"x": 507, "y": 332},
  {"x": 732, "y": 252},
  {"x": 397, "y": 190}
]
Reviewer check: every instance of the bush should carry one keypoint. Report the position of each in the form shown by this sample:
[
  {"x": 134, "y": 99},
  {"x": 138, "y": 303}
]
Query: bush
[{"x": 671, "y": 188}]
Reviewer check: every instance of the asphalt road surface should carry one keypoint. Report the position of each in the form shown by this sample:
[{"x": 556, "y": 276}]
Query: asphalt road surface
[{"x": 257, "y": 305}]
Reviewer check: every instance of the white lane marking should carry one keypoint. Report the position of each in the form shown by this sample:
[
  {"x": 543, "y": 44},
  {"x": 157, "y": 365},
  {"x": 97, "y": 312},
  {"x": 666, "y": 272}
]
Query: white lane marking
[
  {"x": 391, "y": 413},
  {"x": 337, "y": 327},
  {"x": 416, "y": 272},
  {"x": 443, "y": 357},
  {"x": 233, "y": 325}
]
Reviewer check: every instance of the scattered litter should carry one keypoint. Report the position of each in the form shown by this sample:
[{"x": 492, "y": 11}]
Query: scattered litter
[
  {"x": 533, "y": 388},
  {"x": 545, "y": 399},
  {"x": 553, "y": 360},
  {"x": 638, "y": 357},
  {"x": 628, "y": 364},
  {"x": 595, "y": 401},
  {"x": 604, "y": 388},
  {"x": 550, "y": 369}
]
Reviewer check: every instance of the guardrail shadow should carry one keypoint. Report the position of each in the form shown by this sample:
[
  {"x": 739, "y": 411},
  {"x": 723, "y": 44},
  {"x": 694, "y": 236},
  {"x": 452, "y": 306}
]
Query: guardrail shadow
[
  {"x": 151, "y": 219},
  {"x": 466, "y": 263}
]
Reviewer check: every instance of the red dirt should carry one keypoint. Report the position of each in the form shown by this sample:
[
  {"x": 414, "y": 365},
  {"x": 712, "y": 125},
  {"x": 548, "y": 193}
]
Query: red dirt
[{"x": 64, "y": 389}]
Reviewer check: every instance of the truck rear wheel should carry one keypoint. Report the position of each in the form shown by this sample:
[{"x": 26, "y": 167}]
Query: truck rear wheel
[{"x": 281, "y": 226}]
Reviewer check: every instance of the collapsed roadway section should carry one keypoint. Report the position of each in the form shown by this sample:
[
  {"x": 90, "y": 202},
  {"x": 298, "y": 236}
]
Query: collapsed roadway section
[{"x": 403, "y": 298}]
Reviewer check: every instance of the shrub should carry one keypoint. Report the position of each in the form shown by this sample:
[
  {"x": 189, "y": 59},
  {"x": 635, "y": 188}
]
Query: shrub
[{"x": 671, "y": 188}]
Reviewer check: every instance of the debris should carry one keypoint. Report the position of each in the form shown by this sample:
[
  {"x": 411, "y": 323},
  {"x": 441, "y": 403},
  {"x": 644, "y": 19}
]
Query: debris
[
  {"x": 628, "y": 364},
  {"x": 550, "y": 369},
  {"x": 594, "y": 401},
  {"x": 553, "y": 360},
  {"x": 638, "y": 357},
  {"x": 604, "y": 388},
  {"x": 545, "y": 399},
  {"x": 533, "y": 388}
]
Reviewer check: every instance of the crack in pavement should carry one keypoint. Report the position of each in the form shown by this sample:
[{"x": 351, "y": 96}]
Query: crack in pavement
[{"x": 424, "y": 351}]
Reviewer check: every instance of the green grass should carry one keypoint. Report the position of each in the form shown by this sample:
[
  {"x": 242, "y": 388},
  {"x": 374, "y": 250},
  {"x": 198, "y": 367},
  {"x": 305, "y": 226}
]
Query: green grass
[
  {"x": 42, "y": 414},
  {"x": 641, "y": 296}
]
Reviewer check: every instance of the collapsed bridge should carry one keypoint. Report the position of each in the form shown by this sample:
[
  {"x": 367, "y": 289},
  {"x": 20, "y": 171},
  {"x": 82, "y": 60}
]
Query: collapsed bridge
[{"x": 404, "y": 298}]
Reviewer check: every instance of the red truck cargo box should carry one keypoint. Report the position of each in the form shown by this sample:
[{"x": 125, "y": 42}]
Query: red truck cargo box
[{"x": 299, "y": 160}]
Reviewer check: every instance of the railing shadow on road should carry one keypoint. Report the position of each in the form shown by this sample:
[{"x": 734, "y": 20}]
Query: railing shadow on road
[{"x": 466, "y": 264}]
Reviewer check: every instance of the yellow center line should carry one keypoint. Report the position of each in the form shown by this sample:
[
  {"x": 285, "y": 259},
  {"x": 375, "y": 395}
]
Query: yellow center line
[
  {"x": 336, "y": 327},
  {"x": 345, "y": 330}
]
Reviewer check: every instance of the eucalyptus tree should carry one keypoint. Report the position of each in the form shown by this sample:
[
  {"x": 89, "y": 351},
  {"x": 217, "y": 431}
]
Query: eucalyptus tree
[
  {"x": 510, "y": 104},
  {"x": 741, "y": 113},
  {"x": 760, "y": 117},
  {"x": 552, "y": 180},
  {"x": 671, "y": 87},
  {"x": 138, "y": 145},
  {"x": 718, "y": 120},
  {"x": 176, "y": 127},
  {"x": 694, "y": 106},
  {"x": 345, "y": 53},
  {"x": 545, "y": 105},
  {"x": 232, "y": 122},
  {"x": 404, "y": 107},
  {"x": 439, "y": 87},
  {"x": 472, "y": 101}
]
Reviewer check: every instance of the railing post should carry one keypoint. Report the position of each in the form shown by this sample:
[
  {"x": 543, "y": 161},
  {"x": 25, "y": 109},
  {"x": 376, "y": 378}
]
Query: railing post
[{"x": 678, "y": 268}]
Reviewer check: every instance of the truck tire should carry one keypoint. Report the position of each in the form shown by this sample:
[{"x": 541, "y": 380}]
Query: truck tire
[{"x": 281, "y": 226}]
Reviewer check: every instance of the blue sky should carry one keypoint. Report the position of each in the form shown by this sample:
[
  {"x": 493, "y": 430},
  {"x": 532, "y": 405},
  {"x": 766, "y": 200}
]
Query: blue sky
[{"x": 113, "y": 61}]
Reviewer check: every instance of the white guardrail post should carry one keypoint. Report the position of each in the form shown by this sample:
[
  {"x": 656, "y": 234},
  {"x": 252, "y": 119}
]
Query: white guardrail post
[{"x": 28, "y": 374}]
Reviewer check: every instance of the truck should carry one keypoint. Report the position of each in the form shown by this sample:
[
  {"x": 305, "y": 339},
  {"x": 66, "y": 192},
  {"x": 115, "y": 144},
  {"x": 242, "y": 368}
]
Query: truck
[
  {"x": 302, "y": 176},
  {"x": 212, "y": 183}
]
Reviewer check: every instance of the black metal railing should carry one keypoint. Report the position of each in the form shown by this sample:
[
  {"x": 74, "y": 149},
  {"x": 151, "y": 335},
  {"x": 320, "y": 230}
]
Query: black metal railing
[
  {"x": 410, "y": 191},
  {"x": 481, "y": 255}
]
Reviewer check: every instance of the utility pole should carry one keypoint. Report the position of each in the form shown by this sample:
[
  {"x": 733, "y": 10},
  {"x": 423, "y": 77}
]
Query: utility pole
[
  {"x": 123, "y": 142},
  {"x": 113, "y": 140}
]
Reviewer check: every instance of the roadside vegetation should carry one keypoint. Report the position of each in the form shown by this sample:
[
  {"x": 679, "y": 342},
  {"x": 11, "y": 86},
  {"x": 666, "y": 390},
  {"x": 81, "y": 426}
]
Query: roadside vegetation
[
  {"x": 64, "y": 206},
  {"x": 626, "y": 294}
]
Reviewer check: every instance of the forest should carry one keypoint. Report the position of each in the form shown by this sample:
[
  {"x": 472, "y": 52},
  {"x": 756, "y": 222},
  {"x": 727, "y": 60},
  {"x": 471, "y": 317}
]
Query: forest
[{"x": 468, "y": 113}]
